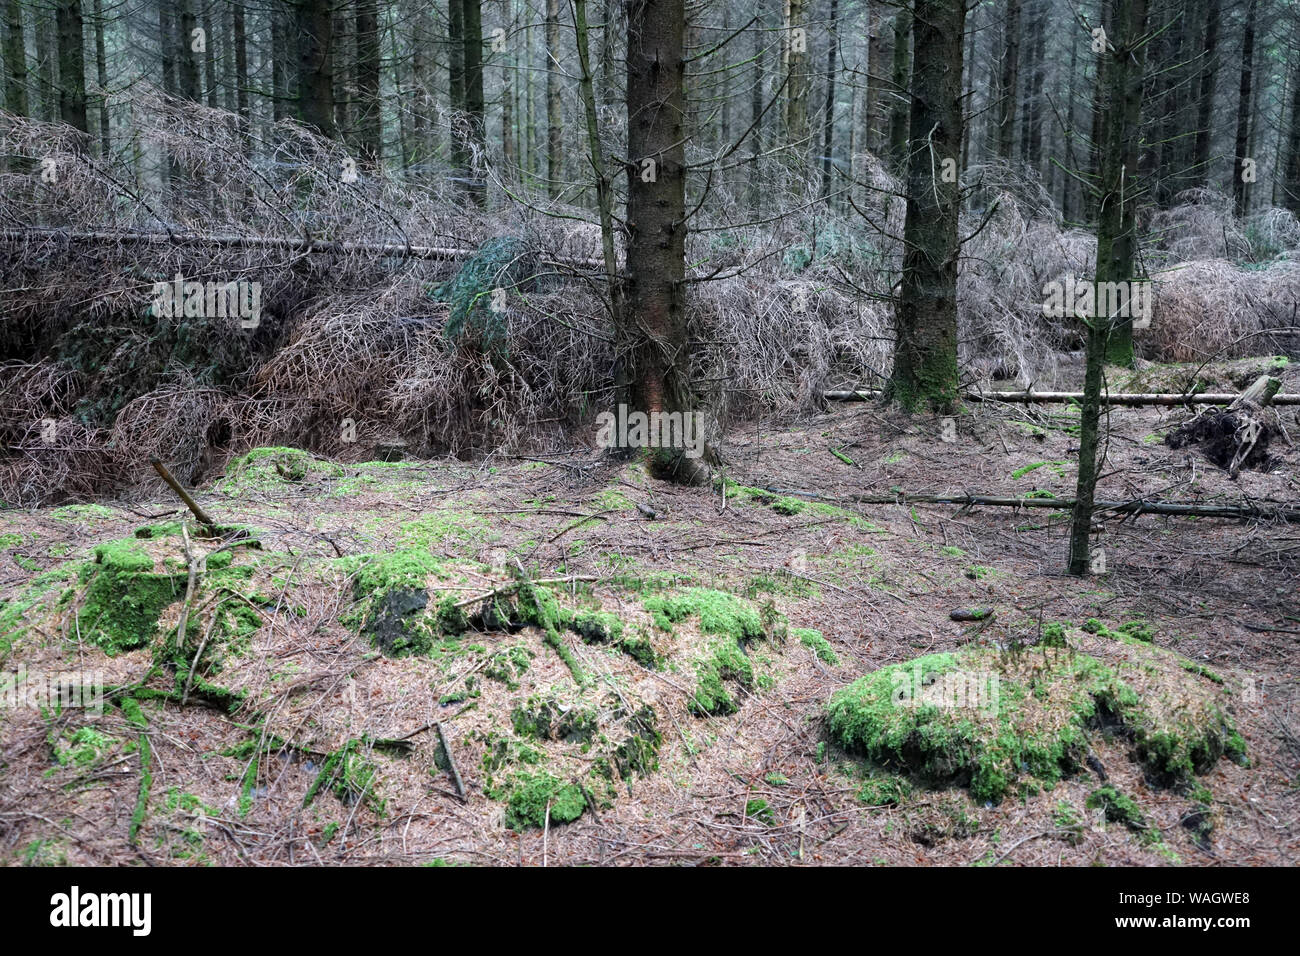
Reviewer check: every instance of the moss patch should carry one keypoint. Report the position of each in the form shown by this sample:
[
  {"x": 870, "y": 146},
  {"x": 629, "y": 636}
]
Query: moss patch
[
  {"x": 124, "y": 597},
  {"x": 982, "y": 718}
]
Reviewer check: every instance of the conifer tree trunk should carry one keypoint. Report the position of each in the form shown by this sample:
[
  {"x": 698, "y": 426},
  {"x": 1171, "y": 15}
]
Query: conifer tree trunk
[{"x": 925, "y": 345}]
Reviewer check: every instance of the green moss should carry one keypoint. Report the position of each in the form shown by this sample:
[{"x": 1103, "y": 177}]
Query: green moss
[
  {"x": 350, "y": 774},
  {"x": 142, "y": 795},
  {"x": 1057, "y": 466},
  {"x": 443, "y": 528},
  {"x": 638, "y": 752},
  {"x": 758, "y": 809},
  {"x": 14, "y": 612},
  {"x": 546, "y": 718},
  {"x": 718, "y": 613},
  {"x": 884, "y": 790},
  {"x": 532, "y": 795},
  {"x": 508, "y": 666},
  {"x": 597, "y": 627},
  {"x": 1068, "y": 822},
  {"x": 1118, "y": 808},
  {"x": 79, "y": 513},
  {"x": 1053, "y": 635},
  {"x": 263, "y": 469},
  {"x": 124, "y": 598},
  {"x": 84, "y": 747},
  {"x": 725, "y": 663},
  {"x": 983, "y": 718},
  {"x": 813, "y": 639}
]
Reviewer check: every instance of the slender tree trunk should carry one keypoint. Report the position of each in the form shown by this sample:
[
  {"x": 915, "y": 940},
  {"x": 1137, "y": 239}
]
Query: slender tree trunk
[
  {"x": 1205, "y": 97},
  {"x": 925, "y": 346},
  {"x": 47, "y": 64},
  {"x": 187, "y": 62},
  {"x": 509, "y": 155},
  {"x": 239, "y": 34},
  {"x": 15, "y": 59},
  {"x": 1111, "y": 336},
  {"x": 828, "y": 136},
  {"x": 797, "y": 79},
  {"x": 871, "y": 132},
  {"x": 279, "y": 65},
  {"x": 72, "y": 67},
  {"x": 608, "y": 34},
  {"x": 1240, "y": 193},
  {"x": 1009, "y": 82},
  {"x": 101, "y": 79},
  {"x": 604, "y": 186},
  {"x": 315, "y": 27},
  {"x": 369, "y": 119},
  {"x": 1034, "y": 101},
  {"x": 211, "y": 84},
  {"x": 900, "y": 95},
  {"x": 554, "y": 113},
  {"x": 474, "y": 102},
  {"x": 1291, "y": 181}
]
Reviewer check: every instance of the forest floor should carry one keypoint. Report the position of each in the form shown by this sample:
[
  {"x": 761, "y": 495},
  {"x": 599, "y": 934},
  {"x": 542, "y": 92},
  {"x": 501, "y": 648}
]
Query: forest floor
[{"x": 603, "y": 716}]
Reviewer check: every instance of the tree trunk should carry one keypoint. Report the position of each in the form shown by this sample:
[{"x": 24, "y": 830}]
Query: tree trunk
[
  {"x": 875, "y": 76},
  {"x": 15, "y": 60},
  {"x": 101, "y": 78},
  {"x": 187, "y": 62},
  {"x": 1108, "y": 337},
  {"x": 797, "y": 80},
  {"x": 1240, "y": 191},
  {"x": 72, "y": 67},
  {"x": 828, "y": 137},
  {"x": 1205, "y": 97},
  {"x": 240, "y": 37},
  {"x": 279, "y": 66},
  {"x": 315, "y": 27},
  {"x": 925, "y": 347},
  {"x": 653, "y": 339},
  {"x": 475, "y": 129},
  {"x": 509, "y": 155},
  {"x": 212, "y": 85},
  {"x": 899, "y": 93},
  {"x": 1291, "y": 182},
  {"x": 369, "y": 118},
  {"x": 1009, "y": 82},
  {"x": 554, "y": 114}
]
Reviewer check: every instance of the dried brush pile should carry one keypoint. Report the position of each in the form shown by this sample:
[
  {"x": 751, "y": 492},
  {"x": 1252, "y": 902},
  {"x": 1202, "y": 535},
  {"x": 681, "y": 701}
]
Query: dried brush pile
[{"x": 357, "y": 346}]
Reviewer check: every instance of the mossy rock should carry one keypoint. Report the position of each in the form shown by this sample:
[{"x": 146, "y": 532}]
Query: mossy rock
[{"x": 982, "y": 718}]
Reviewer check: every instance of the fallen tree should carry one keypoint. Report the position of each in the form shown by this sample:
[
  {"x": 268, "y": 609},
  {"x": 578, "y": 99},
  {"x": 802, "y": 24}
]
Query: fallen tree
[
  {"x": 1029, "y": 397},
  {"x": 1135, "y": 506}
]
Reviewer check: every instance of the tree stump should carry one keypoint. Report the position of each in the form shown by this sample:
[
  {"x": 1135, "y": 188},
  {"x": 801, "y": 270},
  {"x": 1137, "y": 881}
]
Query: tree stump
[{"x": 1236, "y": 437}]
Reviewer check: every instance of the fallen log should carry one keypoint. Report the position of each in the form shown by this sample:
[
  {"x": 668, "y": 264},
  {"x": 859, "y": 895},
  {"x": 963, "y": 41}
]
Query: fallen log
[
  {"x": 1029, "y": 397},
  {"x": 288, "y": 244},
  {"x": 1136, "y": 506}
]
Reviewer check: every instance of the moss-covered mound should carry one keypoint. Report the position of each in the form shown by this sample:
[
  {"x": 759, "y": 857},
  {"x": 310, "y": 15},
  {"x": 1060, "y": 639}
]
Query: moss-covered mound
[{"x": 982, "y": 717}]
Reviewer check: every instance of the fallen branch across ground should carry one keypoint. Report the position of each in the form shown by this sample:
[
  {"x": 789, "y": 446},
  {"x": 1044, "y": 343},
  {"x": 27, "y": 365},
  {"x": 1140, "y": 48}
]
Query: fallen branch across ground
[
  {"x": 1135, "y": 506},
  {"x": 288, "y": 244},
  {"x": 1030, "y": 397}
]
